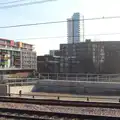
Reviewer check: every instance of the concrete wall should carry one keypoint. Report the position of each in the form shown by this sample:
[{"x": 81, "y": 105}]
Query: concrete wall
[
  {"x": 77, "y": 87},
  {"x": 70, "y": 87},
  {"x": 16, "y": 89},
  {"x": 3, "y": 90}
]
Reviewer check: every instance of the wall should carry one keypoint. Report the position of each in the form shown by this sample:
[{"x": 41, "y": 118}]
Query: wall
[
  {"x": 3, "y": 90},
  {"x": 77, "y": 87},
  {"x": 16, "y": 89}
]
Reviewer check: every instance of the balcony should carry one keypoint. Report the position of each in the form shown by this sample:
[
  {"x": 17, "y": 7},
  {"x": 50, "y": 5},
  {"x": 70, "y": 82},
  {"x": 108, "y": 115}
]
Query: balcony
[
  {"x": 9, "y": 48},
  {"x": 2, "y": 43},
  {"x": 28, "y": 48}
]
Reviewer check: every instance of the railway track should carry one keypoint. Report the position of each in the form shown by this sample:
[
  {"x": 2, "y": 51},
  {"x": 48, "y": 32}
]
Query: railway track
[
  {"x": 42, "y": 115},
  {"x": 60, "y": 102},
  {"x": 50, "y": 109}
]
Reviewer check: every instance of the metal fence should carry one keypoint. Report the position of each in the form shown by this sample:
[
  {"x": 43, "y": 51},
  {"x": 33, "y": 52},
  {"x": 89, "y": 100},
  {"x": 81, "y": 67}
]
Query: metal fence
[
  {"x": 21, "y": 81},
  {"x": 81, "y": 77},
  {"x": 61, "y": 76}
]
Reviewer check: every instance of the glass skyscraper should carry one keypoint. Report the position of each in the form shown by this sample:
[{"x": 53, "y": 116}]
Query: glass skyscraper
[{"x": 75, "y": 28}]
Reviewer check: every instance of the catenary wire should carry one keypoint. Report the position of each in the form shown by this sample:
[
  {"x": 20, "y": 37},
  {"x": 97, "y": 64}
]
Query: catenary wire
[
  {"x": 15, "y": 1},
  {"x": 105, "y": 34},
  {"x": 25, "y": 4},
  {"x": 54, "y": 22}
]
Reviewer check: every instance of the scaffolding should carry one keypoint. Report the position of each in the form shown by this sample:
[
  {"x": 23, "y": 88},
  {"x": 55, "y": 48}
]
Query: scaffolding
[{"x": 82, "y": 39}]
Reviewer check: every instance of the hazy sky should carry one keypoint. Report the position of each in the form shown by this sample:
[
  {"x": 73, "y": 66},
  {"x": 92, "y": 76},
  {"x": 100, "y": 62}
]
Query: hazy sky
[{"x": 56, "y": 11}]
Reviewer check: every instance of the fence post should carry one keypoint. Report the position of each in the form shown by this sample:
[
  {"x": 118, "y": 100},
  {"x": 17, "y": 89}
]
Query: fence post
[
  {"x": 97, "y": 77},
  {"x": 87, "y": 99},
  {"x": 57, "y": 76},
  {"x": 109, "y": 78},
  {"x": 39, "y": 75},
  {"x": 76, "y": 77},
  {"x": 58, "y": 97},
  {"x": 20, "y": 93},
  {"x": 27, "y": 81},
  {"x": 66, "y": 76},
  {"x": 87, "y": 77},
  {"x": 48, "y": 75}
]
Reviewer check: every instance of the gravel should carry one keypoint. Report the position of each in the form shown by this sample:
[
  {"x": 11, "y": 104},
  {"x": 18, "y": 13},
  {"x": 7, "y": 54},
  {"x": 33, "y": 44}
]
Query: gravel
[
  {"x": 38, "y": 117},
  {"x": 61, "y": 109}
]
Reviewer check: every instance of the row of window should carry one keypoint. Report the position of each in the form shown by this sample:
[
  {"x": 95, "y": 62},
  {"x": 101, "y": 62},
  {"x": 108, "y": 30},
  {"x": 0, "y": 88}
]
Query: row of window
[
  {"x": 29, "y": 52},
  {"x": 27, "y": 66}
]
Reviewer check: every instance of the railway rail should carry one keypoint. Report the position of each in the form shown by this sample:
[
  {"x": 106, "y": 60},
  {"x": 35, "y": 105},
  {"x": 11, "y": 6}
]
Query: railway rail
[
  {"x": 60, "y": 102},
  {"x": 42, "y": 115}
]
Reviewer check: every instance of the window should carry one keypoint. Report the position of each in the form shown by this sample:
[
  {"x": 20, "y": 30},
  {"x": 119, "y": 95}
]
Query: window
[
  {"x": 61, "y": 64},
  {"x": 66, "y": 64},
  {"x": 61, "y": 69}
]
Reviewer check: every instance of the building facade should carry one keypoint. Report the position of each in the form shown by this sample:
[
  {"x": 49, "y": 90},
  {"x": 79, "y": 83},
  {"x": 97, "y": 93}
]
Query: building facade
[
  {"x": 76, "y": 58},
  {"x": 85, "y": 57},
  {"x": 111, "y": 62},
  {"x": 17, "y": 55},
  {"x": 90, "y": 57},
  {"x": 75, "y": 28},
  {"x": 70, "y": 30},
  {"x": 55, "y": 53},
  {"x": 47, "y": 64}
]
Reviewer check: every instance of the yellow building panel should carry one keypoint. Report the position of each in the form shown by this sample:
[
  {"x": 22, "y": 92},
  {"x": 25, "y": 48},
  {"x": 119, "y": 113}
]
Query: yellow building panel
[{"x": 20, "y": 44}]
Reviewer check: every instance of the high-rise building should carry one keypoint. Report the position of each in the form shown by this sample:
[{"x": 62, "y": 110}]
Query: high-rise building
[
  {"x": 70, "y": 30},
  {"x": 75, "y": 28}
]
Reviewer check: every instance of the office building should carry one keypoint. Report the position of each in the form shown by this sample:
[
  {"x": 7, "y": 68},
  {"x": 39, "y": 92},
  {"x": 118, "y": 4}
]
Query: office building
[
  {"x": 76, "y": 58},
  {"x": 75, "y": 28},
  {"x": 70, "y": 30},
  {"x": 17, "y": 55},
  {"x": 90, "y": 57},
  {"x": 100, "y": 57},
  {"x": 55, "y": 53},
  {"x": 47, "y": 64}
]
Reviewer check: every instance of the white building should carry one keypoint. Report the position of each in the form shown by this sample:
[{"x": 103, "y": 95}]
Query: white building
[
  {"x": 70, "y": 30},
  {"x": 75, "y": 28}
]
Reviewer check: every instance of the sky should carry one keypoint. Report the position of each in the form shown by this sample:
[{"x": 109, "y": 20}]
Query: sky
[{"x": 59, "y": 10}]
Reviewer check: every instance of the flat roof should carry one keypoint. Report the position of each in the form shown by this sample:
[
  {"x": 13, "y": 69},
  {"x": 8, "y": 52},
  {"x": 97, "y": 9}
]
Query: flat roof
[{"x": 15, "y": 41}]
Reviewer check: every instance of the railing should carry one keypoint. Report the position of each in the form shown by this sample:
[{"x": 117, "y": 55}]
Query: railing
[
  {"x": 81, "y": 77},
  {"x": 21, "y": 81},
  {"x": 65, "y": 77}
]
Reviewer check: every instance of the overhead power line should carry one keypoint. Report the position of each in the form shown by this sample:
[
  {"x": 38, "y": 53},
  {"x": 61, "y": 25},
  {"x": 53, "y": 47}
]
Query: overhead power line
[
  {"x": 25, "y": 4},
  {"x": 15, "y": 1},
  {"x": 55, "y": 22},
  {"x": 68, "y": 36}
]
